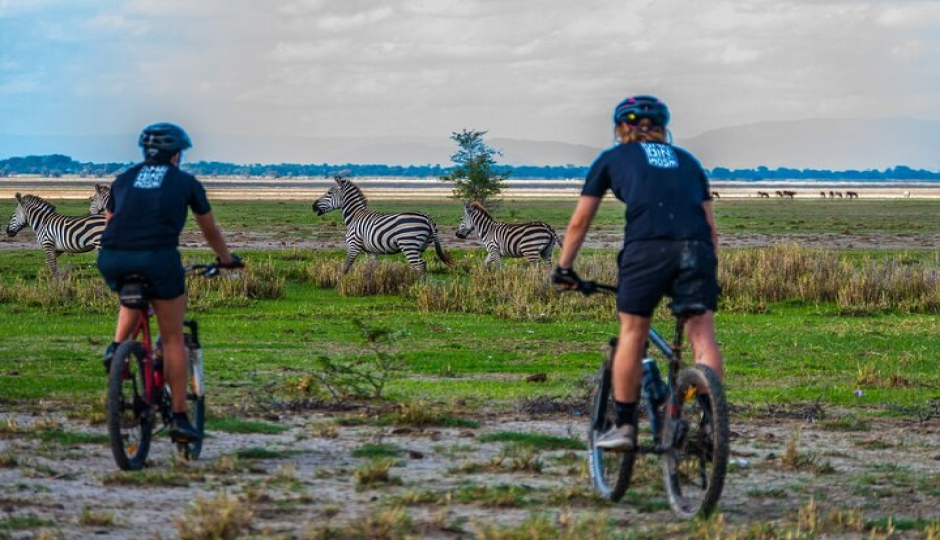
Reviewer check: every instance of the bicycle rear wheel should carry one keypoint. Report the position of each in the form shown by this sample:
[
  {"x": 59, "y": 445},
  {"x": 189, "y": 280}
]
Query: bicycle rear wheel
[
  {"x": 130, "y": 417},
  {"x": 610, "y": 470},
  {"x": 694, "y": 466}
]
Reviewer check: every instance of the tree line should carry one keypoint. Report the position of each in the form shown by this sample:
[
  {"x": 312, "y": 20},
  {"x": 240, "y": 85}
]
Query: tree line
[{"x": 56, "y": 165}]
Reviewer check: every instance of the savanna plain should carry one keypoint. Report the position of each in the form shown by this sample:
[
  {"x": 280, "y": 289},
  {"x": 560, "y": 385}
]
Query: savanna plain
[{"x": 384, "y": 404}]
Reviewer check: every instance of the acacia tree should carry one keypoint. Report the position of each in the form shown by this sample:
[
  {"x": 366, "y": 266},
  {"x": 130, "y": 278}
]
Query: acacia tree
[{"x": 475, "y": 177}]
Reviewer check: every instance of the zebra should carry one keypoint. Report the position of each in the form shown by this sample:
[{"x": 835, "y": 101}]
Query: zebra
[
  {"x": 99, "y": 201},
  {"x": 533, "y": 240},
  {"x": 375, "y": 233},
  {"x": 56, "y": 233}
]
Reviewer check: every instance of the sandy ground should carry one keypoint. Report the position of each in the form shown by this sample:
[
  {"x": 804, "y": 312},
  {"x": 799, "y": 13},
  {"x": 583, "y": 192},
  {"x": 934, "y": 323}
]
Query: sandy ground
[{"x": 886, "y": 469}]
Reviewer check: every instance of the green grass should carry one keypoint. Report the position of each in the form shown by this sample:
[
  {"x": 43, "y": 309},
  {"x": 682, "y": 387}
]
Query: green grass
[
  {"x": 238, "y": 425},
  {"x": 791, "y": 353},
  {"x": 535, "y": 441}
]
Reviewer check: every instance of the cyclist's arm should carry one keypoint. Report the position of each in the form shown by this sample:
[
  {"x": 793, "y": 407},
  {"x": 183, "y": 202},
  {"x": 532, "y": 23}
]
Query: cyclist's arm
[
  {"x": 577, "y": 228},
  {"x": 710, "y": 217},
  {"x": 107, "y": 216},
  {"x": 213, "y": 237}
]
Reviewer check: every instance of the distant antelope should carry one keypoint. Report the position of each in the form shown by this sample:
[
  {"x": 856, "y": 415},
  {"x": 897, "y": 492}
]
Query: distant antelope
[
  {"x": 832, "y": 194},
  {"x": 715, "y": 195},
  {"x": 839, "y": 194},
  {"x": 790, "y": 194},
  {"x": 822, "y": 194},
  {"x": 763, "y": 194},
  {"x": 779, "y": 193},
  {"x": 851, "y": 194}
]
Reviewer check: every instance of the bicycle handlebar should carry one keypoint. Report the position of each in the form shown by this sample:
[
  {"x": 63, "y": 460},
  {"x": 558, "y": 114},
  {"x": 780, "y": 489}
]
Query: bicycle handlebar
[
  {"x": 588, "y": 287},
  {"x": 207, "y": 270}
]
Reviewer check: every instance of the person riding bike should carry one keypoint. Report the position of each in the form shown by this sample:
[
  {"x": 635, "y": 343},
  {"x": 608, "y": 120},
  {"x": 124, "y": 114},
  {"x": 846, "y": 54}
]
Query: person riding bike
[
  {"x": 669, "y": 247},
  {"x": 145, "y": 216}
]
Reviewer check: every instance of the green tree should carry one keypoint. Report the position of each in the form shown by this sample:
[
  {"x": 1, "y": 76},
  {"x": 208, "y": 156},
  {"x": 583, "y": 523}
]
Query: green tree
[{"x": 475, "y": 177}]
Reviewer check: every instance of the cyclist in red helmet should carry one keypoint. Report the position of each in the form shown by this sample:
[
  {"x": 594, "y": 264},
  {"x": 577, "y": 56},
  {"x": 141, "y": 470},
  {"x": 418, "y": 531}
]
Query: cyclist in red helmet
[
  {"x": 669, "y": 246},
  {"x": 145, "y": 215}
]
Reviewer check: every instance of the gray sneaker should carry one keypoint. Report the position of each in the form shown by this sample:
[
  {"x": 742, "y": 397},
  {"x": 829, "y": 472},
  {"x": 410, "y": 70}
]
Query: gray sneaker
[{"x": 618, "y": 438}]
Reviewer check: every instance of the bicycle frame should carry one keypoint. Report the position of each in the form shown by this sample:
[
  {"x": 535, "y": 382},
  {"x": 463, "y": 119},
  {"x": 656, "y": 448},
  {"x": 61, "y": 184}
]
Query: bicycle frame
[{"x": 153, "y": 378}]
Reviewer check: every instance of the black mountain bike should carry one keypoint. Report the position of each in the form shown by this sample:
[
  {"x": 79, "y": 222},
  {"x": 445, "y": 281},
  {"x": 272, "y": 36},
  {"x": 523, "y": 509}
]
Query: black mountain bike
[{"x": 688, "y": 425}]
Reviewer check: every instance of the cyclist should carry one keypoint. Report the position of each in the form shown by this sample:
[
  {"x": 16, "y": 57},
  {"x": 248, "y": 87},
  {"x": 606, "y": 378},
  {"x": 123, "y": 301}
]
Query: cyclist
[
  {"x": 145, "y": 216},
  {"x": 669, "y": 246}
]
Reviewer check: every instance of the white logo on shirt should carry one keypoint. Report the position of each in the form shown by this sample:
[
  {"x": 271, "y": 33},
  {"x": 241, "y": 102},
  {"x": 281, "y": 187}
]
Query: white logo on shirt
[
  {"x": 660, "y": 155},
  {"x": 151, "y": 177}
]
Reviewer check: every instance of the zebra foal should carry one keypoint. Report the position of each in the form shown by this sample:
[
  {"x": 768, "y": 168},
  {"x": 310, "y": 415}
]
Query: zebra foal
[
  {"x": 374, "y": 233},
  {"x": 99, "y": 201},
  {"x": 534, "y": 240},
  {"x": 55, "y": 232}
]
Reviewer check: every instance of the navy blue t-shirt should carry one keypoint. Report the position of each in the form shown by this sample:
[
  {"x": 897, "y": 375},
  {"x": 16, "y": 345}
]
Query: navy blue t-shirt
[
  {"x": 663, "y": 187},
  {"x": 150, "y": 203}
]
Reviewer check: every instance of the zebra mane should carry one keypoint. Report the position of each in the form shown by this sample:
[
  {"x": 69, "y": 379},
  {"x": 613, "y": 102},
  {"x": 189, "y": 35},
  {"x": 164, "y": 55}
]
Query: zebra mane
[
  {"x": 479, "y": 206},
  {"x": 346, "y": 185},
  {"x": 33, "y": 201}
]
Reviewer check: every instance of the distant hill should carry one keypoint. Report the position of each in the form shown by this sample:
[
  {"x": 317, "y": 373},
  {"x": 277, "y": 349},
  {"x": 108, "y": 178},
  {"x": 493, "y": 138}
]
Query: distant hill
[
  {"x": 822, "y": 143},
  {"x": 835, "y": 144}
]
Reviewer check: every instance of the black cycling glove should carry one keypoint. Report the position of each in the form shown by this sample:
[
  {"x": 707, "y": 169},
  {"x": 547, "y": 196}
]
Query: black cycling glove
[
  {"x": 565, "y": 279},
  {"x": 236, "y": 262}
]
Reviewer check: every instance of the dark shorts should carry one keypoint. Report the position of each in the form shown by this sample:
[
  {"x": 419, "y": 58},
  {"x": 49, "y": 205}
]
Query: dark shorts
[
  {"x": 685, "y": 270},
  {"x": 163, "y": 269}
]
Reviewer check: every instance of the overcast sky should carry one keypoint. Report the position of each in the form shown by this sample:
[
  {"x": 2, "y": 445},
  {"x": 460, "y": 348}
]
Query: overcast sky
[{"x": 528, "y": 69}]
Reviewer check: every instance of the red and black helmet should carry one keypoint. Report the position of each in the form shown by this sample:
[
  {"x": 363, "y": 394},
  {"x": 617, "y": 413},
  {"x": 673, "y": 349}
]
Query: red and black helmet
[{"x": 636, "y": 108}]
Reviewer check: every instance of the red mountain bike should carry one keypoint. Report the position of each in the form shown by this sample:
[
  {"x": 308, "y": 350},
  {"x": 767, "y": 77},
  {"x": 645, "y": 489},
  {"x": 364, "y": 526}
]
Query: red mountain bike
[{"x": 138, "y": 396}]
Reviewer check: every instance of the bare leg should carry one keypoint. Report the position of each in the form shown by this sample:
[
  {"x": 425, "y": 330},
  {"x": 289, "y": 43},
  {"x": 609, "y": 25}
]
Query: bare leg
[
  {"x": 127, "y": 320},
  {"x": 701, "y": 332},
  {"x": 170, "y": 314},
  {"x": 629, "y": 357}
]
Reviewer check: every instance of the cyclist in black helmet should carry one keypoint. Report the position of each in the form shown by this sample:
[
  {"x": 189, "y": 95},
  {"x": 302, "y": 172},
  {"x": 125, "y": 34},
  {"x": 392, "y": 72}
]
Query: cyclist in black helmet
[
  {"x": 669, "y": 246},
  {"x": 145, "y": 216}
]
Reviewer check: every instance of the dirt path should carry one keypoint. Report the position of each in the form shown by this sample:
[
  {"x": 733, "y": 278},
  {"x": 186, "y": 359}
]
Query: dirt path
[{"x": 448, "y": 481}]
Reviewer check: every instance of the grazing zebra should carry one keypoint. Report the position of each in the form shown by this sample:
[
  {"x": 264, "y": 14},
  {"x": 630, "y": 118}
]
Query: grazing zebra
[
  {"x": 56, "y": 233},
  {"x": 375, "y": 233},
  {"x": 99, "y": 201},
  {"x": 533, "y": 240}
]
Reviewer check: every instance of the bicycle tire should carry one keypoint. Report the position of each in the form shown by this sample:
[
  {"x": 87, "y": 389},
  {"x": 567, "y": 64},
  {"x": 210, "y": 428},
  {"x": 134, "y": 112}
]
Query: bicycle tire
[
  {"x": 610, "y": 471},
  {"x": 130, "y": 418},
  {"x": 195, "y": 410},
  {"x": 694, "y": 466}
]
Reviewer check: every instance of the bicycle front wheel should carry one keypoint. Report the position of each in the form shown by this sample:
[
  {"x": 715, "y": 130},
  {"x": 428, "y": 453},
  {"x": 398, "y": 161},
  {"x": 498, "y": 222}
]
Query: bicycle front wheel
[
  {"x": 610, "y": 470},
  {"x": 696, "y": 459},
  {"x": 195, "y": 401},
  {"x": 130, "y": 417}
]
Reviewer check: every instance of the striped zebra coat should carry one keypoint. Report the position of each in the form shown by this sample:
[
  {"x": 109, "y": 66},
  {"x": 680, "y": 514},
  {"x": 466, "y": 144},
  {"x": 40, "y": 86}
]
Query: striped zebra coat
[
  {"x": 56, "y": 233},
  {"x": 99, "y": 201},
  {"x": 374, "y": 233},
  {"x": 534, "y": 240}
]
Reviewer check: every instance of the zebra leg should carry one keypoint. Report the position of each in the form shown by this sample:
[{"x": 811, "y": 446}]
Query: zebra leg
[
  {"x": 352, "y": 252},
  {"x": 493, "y": 257},
  {"x": 51, "y": 256},
  {"x": 533, "y": 257},
  {"x": 415, "y": 260}
]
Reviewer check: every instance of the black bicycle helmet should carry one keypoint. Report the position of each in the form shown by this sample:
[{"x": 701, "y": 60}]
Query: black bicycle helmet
[
  {"x": 636, "y": 108},
  {"x": 164, "y": 137}
]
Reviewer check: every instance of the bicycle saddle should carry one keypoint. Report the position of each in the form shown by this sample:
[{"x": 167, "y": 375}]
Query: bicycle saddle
[
  {"x": 134, "y": 291},
  {"x": 687, "y": 309}
]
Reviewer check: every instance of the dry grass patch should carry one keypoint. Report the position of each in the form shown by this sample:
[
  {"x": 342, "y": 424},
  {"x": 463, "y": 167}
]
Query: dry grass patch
[
  {"x": 225, "y": 517},
  {"x": 375, "y": 472}
]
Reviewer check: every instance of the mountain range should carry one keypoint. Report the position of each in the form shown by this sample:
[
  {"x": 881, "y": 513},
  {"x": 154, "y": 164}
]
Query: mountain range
[{"x": 836, "y": 144}]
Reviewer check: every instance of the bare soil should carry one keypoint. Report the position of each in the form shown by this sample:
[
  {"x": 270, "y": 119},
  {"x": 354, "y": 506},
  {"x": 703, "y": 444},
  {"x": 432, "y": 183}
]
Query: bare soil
[{"x": 886, "y": 469}]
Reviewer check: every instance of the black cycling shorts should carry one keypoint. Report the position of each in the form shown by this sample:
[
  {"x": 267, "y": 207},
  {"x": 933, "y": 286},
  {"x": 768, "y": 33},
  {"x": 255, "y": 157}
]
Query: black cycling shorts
[
  {"x": 685, "y": 270},
  {"x": 162, "y": 268}
]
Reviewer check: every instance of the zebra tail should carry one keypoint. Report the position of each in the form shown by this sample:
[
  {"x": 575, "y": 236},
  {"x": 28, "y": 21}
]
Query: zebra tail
[
  {"x": 441, "y": 254},
  {"x": 558, "y": 241}
]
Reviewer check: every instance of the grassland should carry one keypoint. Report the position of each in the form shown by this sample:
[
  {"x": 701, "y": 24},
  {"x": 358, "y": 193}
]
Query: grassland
[{"x": 787, "y": 357}]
